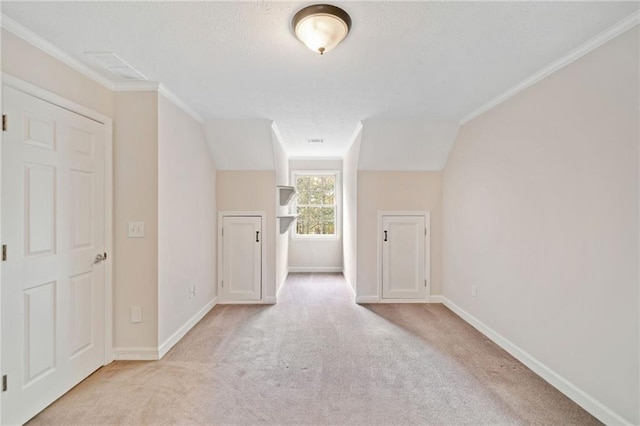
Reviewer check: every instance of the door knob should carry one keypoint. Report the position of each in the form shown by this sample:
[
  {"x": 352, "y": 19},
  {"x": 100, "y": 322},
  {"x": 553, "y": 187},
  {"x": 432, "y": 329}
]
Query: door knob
[{"x": 100, "y": 257}]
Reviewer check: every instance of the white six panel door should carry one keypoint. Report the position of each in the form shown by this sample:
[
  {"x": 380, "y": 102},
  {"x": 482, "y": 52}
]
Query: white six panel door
[
  {"x": 403, "y": 257},
  {"x": 241, "y": 258},
  {"x": 54, "y": 226}
]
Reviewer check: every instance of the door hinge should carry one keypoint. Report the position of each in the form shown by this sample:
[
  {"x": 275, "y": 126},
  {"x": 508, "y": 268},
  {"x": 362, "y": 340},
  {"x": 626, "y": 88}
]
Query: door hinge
[
  {"x": 4, "y": 122},
  {"x": 223, "y": 232},
  {"x": 222, "y": 283},
  {"x": 4, "y": 383},
  {"x": 425, "y": 283},
  {"x": 425, "y": 231},
  {"x": 4, "y": 252}
]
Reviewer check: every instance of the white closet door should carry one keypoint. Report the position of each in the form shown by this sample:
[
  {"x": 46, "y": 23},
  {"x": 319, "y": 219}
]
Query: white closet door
[
  {"x": 403, "y": 257},
  {"x": 54, "y": 226},
  {"x": 242, "y": 258}
]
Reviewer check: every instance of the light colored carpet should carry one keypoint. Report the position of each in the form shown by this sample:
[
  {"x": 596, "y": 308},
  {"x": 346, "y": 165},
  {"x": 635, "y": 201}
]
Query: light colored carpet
[{"x": 317, "y": 358}]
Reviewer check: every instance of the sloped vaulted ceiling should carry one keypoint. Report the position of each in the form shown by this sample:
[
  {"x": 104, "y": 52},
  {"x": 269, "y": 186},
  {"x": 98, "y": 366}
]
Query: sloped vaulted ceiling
[
  {"x": 406, "y": 144},
  {"x": 241, "y": 144},
  {"x": 417, "y": 62}
]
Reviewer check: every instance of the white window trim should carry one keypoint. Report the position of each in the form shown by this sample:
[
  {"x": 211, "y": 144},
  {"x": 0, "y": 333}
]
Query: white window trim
[{"x": 338, "y": 197}]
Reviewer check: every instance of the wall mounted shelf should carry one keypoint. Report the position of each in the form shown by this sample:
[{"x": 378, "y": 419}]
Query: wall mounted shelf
[
  {"x": 286, "y": 221},
  {"x": 285, "y": 194}
]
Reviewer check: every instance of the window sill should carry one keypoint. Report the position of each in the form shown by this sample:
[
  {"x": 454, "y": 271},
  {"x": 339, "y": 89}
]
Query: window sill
[{"x": 317, "y": 239}]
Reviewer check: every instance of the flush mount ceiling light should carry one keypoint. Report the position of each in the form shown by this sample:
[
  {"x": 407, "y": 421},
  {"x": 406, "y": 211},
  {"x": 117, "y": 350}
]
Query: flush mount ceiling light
[{"x": 321, "y": 26}]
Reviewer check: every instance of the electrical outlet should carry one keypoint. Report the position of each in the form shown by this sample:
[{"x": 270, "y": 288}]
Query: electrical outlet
[
  {"x": 136, "y": 314},
  {"x": 474, "y": 291},
  {"x": 192, "y": 291}
]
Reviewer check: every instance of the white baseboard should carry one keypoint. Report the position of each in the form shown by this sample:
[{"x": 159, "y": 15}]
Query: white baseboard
[
  {"x": 267, "y": 300},
  {"x": 284, "y": 279},
  {"x": 376, "y": 299},
  {"x": 586, "y": 401},
  {"x": 180, "y": 333},
  {"x": 293, "y": 269},
  {"x": 351, "y": 289},
  {"x": 367, "y": 299},
  {"x": 154, "y": 354},
  {"x": 136, "y": 353}
]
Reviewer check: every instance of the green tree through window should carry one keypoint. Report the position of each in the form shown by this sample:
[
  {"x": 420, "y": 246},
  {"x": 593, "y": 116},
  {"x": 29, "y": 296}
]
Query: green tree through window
[{"x": 316, "y": 204}]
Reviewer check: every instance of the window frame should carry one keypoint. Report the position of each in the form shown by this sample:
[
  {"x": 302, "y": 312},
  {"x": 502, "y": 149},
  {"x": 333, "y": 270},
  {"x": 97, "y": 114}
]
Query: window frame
[{"x": 338, "y": 205}]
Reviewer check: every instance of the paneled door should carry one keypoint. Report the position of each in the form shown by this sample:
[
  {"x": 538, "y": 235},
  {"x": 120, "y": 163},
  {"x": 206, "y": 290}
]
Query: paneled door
[
  {"x": 241, "y": 258},
  {"x": 404, "y": 257},
  {"x": 53, "y": 226}
]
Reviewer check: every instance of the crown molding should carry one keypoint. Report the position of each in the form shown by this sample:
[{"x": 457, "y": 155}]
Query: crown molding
[
  {"x": 162, "y": 89},
  {"x": 52, "y": 50},
  {"x": 42, "y": 44},
  {"x": 136, "y": 86},
  {"x": 617, "y": 29}
]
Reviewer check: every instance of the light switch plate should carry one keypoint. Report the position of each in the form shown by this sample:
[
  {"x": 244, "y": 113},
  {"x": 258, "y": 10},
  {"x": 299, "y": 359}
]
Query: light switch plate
[{"x": 136, "y": 229}]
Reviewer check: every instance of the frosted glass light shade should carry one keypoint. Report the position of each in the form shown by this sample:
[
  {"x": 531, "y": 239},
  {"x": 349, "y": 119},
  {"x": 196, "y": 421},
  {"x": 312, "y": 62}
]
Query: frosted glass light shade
[{"x": 321, "y": 27}]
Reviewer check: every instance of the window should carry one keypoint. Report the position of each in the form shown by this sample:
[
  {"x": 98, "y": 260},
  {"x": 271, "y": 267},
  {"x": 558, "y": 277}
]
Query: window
[{"x": 316, "y": 204}]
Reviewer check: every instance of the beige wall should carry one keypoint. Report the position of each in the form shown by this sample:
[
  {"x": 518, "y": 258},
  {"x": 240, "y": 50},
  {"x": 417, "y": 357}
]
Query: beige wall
[
  {"x": 135, "y": 174},
  {"x": 135, "y": 162},
  {"x": 282, "y": 240},
  {"x": 252, "y": 191},
  {"x": 395, "y": 191},
  {"x": 31, "y": 64},
  {"x": 137, "y": 131},
  {"x": 541, "y": 214},
  {"x": 135, "y": 179},
  {"x": 314, "y": 254},
  {"x": 186, "y": 219},
  {"x": 350, "y": 210}
]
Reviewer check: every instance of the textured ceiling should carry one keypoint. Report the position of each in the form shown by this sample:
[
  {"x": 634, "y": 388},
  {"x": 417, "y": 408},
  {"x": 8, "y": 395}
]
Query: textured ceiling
[
  {"x": 406, "y": 144},
  {"x": 410, "y": 60}
]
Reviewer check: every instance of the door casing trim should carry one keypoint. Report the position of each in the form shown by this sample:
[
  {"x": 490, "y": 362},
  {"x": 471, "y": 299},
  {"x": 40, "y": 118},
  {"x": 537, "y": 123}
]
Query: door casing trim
[
  {"x": 42, "y": 94},
  {"x": 427, "y": 254},
  {"x": 263, "y": 265}
]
